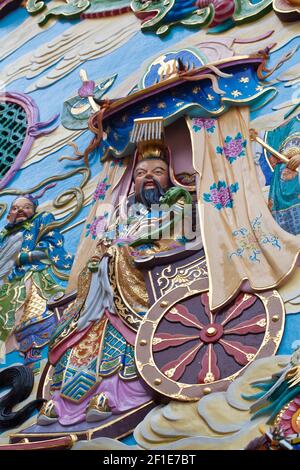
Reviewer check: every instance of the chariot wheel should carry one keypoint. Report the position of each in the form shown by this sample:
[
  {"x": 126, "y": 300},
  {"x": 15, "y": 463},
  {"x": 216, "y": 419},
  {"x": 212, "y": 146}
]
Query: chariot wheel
[{"x": 184, "y": 351}]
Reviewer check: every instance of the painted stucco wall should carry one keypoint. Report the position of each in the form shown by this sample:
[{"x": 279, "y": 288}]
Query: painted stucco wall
[{"x": 44, "y": 62}]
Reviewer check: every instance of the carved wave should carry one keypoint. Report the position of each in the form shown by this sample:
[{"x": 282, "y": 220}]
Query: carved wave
[{"x": 82, "y": 42}]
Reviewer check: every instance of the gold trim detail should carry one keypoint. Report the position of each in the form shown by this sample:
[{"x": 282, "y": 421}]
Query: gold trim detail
[
  {"x": 123, "y": 310},
  {"x": 182, "y": 276}
]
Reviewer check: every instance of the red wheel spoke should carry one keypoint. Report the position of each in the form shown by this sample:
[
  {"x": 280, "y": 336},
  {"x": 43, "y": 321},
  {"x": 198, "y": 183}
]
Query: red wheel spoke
[
  {"x": 175, "y": 369},
  {"x": 206, "y": 330},
  {"x": 210, "y": 371},
  {"x": 166, "y": 340},
  {"x": 254, "y": 325},
  {"x": 241, "y": 352},
  {"x": 205, "y": 302},
  {"x": 180, "y": 314},
  {"x": 242, "y": 302}
]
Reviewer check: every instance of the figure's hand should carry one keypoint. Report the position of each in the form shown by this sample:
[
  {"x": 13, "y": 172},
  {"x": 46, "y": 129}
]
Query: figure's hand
[
  {"x": 95, "y": 259},
  {"x": 253, "y": 134},
  {"x": 93, "y": 264},
  {"x": 294, "y": 162},
  {"x": 37, "y": 255},
  {"x": 31, "y": 257},
  {"x": 101, "y": 249}
]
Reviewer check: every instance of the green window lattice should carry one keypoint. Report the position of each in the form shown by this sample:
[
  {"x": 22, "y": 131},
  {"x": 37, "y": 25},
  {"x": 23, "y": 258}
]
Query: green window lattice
[{"x": 13, "y": 126}]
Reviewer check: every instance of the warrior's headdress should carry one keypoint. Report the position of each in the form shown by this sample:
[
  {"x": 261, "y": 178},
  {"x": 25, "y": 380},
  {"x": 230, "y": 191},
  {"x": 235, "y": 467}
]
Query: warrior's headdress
[
  {"x": 35, "y": 199},
  {"x": 148, "y": 135}
]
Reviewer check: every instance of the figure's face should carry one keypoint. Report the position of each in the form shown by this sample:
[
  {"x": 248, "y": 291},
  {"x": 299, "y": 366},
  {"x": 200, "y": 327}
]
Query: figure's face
[
  {"x": 149, "y": 171},
  {"x": 21, "y": 210}
]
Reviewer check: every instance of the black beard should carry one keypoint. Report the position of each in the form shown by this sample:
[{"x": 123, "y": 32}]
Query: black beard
[
  {"x": 152, "y": 195},
  {"x": 11, "y": 225}
]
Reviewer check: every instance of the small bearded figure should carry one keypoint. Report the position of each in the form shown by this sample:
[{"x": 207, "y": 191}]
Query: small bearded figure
[
  {"x": 29, "y": 251},
  {"x": 92, "y": 350}
]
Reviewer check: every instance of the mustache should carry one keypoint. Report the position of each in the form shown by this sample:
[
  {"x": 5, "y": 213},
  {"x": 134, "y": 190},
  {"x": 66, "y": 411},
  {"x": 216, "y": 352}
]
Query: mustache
[
  {"x": 13, "y": 217},
  {"x": 17, "y": 215},
  {"x": 152, "y": 195}
]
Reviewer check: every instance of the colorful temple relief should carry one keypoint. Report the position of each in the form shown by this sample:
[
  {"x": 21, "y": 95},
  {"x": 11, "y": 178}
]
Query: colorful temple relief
[
  {"x": 32, "y": 249},
  {"x": 149, "y": 225},
  {"x": 251, "y": 252}
]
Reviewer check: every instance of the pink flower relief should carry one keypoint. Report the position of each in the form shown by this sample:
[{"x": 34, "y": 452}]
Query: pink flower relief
[
  {"x": 101, "y": 189},
  {"x": 223, "y": 196},
  {"x": 208, "y": 124},
  {"x": 96, "y": 227},
  {"x": 233, "y": 148}
]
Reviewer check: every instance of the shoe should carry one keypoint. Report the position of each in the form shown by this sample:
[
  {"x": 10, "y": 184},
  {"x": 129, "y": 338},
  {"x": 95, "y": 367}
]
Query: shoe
[
  {"x": 47, "y": 414},
  {"x": 98, "y": 408}
]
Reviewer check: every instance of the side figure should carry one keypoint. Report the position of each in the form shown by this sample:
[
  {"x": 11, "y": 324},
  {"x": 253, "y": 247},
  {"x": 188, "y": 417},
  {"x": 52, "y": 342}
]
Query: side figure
[
  {"x": 284, "y": 195},
  {"x": 31, "y": 251}
]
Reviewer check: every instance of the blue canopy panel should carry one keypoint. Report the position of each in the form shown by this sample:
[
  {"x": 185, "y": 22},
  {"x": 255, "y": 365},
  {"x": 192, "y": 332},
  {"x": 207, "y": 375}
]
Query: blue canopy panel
[{"x": 193, "y": 98}]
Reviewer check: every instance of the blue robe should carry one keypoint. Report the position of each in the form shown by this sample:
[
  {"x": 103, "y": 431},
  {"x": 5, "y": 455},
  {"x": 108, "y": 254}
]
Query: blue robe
[
  {"x": 32, "y": 332},
  {"x": 284, "y": 195}
]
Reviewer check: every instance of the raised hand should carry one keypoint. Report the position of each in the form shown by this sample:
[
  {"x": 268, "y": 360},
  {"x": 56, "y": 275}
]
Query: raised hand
[{"x": 294, "y": 162}]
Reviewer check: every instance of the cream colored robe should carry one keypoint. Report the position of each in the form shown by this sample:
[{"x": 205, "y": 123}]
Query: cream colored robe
[{"x": 242, "y": 241}]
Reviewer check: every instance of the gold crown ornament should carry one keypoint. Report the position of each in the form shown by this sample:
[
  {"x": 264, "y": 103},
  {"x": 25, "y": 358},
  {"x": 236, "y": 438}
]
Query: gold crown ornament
[{"x": 148, "y": 135}]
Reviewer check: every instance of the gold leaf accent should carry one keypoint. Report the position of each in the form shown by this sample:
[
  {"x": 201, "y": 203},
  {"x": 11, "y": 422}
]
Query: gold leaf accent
[
  {"x": 183, "y": 275},
  {"x": 169, "y": 373},
  {"x": 156, "y": 341},
  {"x": 209, "y": 378},
  {"x": 250, "y": 357}
]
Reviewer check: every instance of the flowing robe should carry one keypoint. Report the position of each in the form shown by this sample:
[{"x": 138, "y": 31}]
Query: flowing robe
[{"x": 241, "y": 239}]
